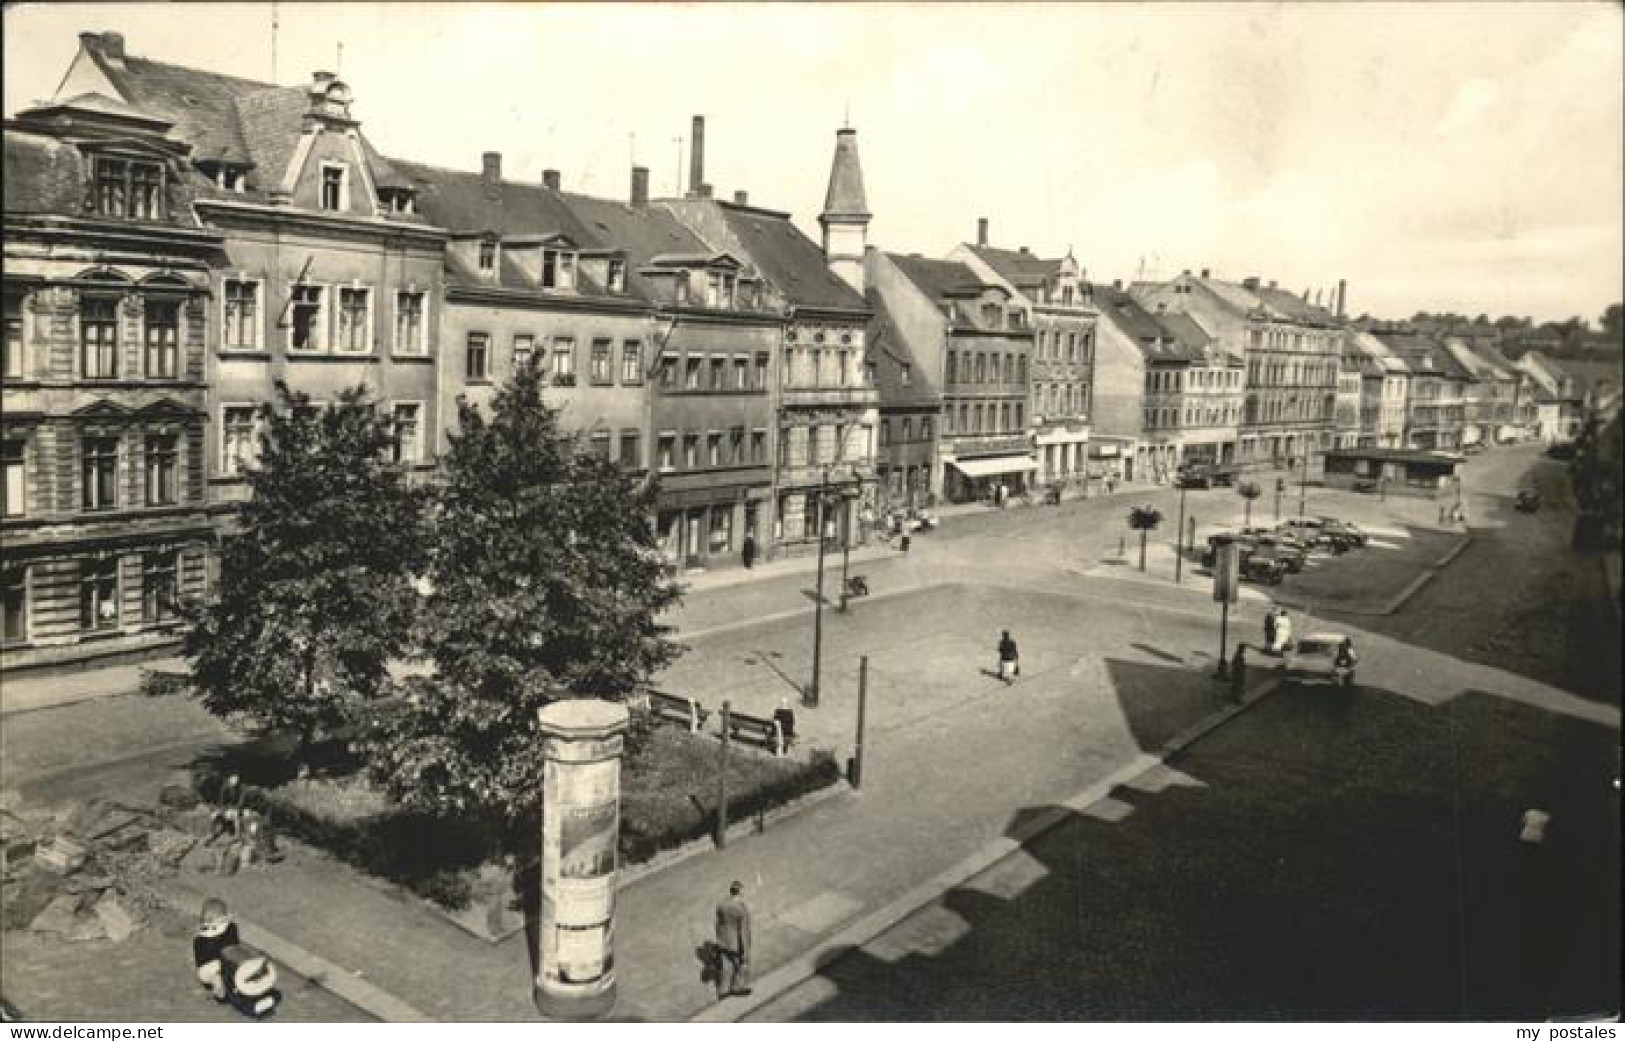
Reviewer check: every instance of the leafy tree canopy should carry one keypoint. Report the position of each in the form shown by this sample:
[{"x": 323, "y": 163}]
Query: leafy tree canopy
[
  {"x": 316, "y": 584},
  {"x": 546, "y": 584}
]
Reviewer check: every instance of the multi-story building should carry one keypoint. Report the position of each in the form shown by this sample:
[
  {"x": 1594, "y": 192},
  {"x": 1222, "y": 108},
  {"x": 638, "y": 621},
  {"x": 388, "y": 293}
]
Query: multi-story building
[
  {"x": 528, "y": 282},
  {"x": 1350, "y": 397},
  {"x": 976, "y": 344},
  {"x": 1384, "y": 390},
  {"x": 1488, "y": 398},
  {"x": 910, "y": 408},
  {"x": 108, "y": 330},
  {"x": 1292, "y": 347},
  {"x": 1121, "y": 375},
  {"x": 1063, "y": 316},
  {"x": 1193, "y": 396},
  {"x": 826, "y": 400},
  {"x": 1436, "y": 401}
]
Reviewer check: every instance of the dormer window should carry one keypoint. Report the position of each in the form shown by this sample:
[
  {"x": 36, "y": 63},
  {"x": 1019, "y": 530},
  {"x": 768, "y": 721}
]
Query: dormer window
[
  {"x": 719, "y": 290},
  {"x": 335, "y": 186},
  {"x": 617, "y": 276},
  {"x": 128, "y": 188},
  {"x": 992, "y": 315},
  {"x": 398, "y": 200},
  {"x": 558, "y": 269},
  {"x": 488, "y": 257}
]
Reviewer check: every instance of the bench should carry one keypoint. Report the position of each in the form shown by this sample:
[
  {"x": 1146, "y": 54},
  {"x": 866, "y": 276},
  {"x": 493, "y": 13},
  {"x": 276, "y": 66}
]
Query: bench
[
  {"x": 758, "y": 731},
  {"x": 678, "y": 709}
]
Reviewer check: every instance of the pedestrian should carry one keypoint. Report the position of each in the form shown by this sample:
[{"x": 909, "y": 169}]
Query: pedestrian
[
  {"x": 1009, "y": 658},
  {"x": 1283, "y": 632},
  {"x": 1238, "y": 674},
  {"x": 747, "y": 552},
  {"x": 903, "y": 544},
  {"x": 215, "y": 932},
  {"x": 733, "y": 943},
  {"x": 1111, "y": 483},
  {"x": 785, "y": 717},
  {"x": 1269, "y": 629}
]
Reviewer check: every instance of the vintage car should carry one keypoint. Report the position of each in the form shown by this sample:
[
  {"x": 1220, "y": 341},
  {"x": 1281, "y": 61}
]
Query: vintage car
[
  {"x": 1314, "y": 657},
  {"x": 1203, "y": 475},
  {"x": 1306, "y": 530},
  {"x": 1527, "y": 500},
  {"x": 1264, "y": 566},
  {"x": 1210, "y": 556},
  {"x": 1345, "y": 532}
]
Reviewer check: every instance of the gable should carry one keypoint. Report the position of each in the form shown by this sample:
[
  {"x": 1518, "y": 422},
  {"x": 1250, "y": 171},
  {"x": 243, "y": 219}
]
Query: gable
[
  {"x": 84, "y": 76},
  {"x": 320, "y": 151}
]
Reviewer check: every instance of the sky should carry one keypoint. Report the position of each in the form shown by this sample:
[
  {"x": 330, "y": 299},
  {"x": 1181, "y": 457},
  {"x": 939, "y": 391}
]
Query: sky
[{"x": 1455, "y": 156}]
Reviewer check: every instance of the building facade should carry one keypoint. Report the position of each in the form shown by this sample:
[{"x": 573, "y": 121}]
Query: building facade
[{"x": 1384, "y": 391}]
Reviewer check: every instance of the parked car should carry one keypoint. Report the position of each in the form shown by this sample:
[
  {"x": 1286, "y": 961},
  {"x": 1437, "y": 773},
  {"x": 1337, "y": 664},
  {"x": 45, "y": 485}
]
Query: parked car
[
  {"x": 1314, "y": 657},
  {"x": 1285, "y": 549},
  {"x": 1263, "y": 566},
  {"x": 1344, "y": 531},
  {"x": 1561, "y": 450},
  {"x": 1306, "y": 530},
  {"x": 1223, "y": 538},
  {"x": 1367, "y": 484},
  {"x": 1527, "y": 500},
  {"x": 1204, "y": 475}
]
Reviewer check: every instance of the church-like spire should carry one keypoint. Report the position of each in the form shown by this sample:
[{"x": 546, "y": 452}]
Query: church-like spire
[{"x": 845, "y": 219}]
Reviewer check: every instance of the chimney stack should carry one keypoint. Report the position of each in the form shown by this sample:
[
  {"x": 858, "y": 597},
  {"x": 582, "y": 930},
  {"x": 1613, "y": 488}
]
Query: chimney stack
[
  {"x": 1207, "y": 272},
  {"x": 491, "y": 170},
  {"x": 1117, "y": 283},
  {"x": 696, "y": 157},
  {"x": 701, "y": 191},
  {"x": 742, "y": 198},
  {"x": 550, "y": 180},
  {"x": 1342, "y": 288},
  {"x": 1024, "y": 251},
  {"x": 113, "y": 47},
  {"x": 981, "y": 231},
  {"x": 1272, "y": 283},
  {"x": 640, "y": 186},
  {"x": 1250, "y": 283}
]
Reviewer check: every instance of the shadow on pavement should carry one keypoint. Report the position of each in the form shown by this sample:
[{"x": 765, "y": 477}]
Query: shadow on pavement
[{"x": 1329, "y": 856}]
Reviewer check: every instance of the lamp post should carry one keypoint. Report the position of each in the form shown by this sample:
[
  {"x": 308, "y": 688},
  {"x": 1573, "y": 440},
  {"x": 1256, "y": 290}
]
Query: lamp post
[
  {"x": 1280, "y": 486},
  {"x": 1303, "y": 483},
  {"x": 809, "y": 697},
  {"x": 1179, "y": 536}
]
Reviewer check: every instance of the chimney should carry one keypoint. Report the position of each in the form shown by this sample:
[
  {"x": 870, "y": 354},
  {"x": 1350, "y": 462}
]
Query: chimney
[
  {"x": 640, "y": 186},
  {"x": 701, "y": 191},
  {"x": 1272, "y": 283},
  {"x": 1207, "y": 272},
  {"x": 1250, "y": 283},
  {"x": 696, "y": 158},
  {"x": 981, "y": 231},
  {"x": 1186, "y": 273},
  {"x": 1117, "y": 283},
  {"x": 112, "y": 47},
  {"x": 1024, "y": 251},
  {"x": 742, "y": 198},
  {"x": 491, "y": 169},
  {"x": 320, "y": 80},
  {"x": 1342, "y": 288},
  {"x": 550, "y": 180}
]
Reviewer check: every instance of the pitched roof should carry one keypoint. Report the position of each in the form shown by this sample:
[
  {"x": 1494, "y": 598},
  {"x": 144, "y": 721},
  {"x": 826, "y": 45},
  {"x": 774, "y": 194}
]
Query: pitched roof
[
  {"x": 1183, "y": 340},
  {"x": 459, "y": 200},
  {"x": 42, "y": 173},
  {"x": 793, "y": 263},
  {"x": 643, "y": 234},
  {"x": 1599, "y": 376},
  {"x": 1127, "y": 315},
  {"x": 201, "y": 104},
  {"x": 889, "y": 349},
  {"x": 845, "y": 197},
  {"x": 1018, "y": 267},
  {"x": 939, "y": 279},
  {"x": 1294, "y": 306}
]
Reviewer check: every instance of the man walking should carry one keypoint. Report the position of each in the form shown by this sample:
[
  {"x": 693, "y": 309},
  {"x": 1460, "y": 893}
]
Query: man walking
[
  {"x": 1269, "y": 629},
  {"x": 1238, "y": 674},
  {"x": 748, "y": 551},
  {"x": 1009, "y": 659},
  {"x": 733, "y": 943}
]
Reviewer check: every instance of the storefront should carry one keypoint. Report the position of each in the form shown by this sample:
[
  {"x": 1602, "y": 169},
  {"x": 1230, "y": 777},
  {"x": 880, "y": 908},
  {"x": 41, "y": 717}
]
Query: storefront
[
  {"x": 974, "y": 470},
  {"x": 1111, "y": 457},
  {"x": 694, "y": 527},
  {"x": 1062, "y": 453}
]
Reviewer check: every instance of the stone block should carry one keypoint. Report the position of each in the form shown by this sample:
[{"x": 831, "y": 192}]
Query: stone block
[
  {"x": 118, "y": 919},
  {"x": 58, "y": 917},
  {"x": 169, "y": 846},
  {"x": 64, "y": 855}
]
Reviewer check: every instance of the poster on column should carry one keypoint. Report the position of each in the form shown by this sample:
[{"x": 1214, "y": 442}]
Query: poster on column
[{"x": 587, "y": 820}]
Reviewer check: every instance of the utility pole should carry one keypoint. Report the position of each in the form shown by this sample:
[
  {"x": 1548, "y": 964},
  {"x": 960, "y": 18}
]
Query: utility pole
[
  {"x": 863, "y": 700},
  {"x": 722, "y": 778},
  {"x": 846, "y": 550},
  {"x": 810, "y": 696},
  {"x": 1303, "y": 483},
  {"x": 1179, "y": 535}
]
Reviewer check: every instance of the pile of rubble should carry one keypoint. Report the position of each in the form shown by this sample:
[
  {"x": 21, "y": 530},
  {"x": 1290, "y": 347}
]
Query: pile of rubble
[{"x": 88, "y": 872}]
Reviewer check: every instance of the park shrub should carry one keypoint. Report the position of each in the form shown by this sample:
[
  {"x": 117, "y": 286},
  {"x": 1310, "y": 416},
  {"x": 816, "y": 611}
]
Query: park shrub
[{"x": 668, "y": 798}]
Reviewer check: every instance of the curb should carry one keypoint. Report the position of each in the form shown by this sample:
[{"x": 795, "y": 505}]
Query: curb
[
  {"x": 1399, "y": 601},
  {"x": 335, "y": 979},
  {"x": 776, "y": 983}
]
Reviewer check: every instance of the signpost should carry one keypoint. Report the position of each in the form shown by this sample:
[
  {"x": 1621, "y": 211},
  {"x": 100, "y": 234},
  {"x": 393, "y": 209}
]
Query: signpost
[{"x": 1226, "y": 576}]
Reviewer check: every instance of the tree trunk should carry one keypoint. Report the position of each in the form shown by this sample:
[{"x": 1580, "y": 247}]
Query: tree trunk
[
  {"x": 1143, "y": 533},
  {"x": 1248, "y": 522}
]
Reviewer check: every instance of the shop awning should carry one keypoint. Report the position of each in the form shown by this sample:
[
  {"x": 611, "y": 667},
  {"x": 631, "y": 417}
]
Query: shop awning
[{"x": 1005, "y": 464}]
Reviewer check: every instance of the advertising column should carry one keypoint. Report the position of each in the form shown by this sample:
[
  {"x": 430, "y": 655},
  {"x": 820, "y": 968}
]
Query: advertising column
[{"x": 581, "y": 790}]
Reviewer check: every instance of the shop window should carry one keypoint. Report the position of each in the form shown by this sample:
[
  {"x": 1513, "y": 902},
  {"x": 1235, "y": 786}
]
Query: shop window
[{"x": 98, "y": 594}]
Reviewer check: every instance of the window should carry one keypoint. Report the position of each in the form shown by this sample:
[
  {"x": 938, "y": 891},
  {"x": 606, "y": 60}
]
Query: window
[
  {"x": 15, "y": 456},
  {"x": 1021, "y": 369},
  {"x": 691, "y": 451},
  {"x": 567, "y": 271},
  {"x": 240, "y": 445},
  {"x": 631, "y": 449},
  {"x": 908, "y": 429},
  {"x": 719, "y": 374},
  {"x": 98, "y": 332},
  {"x": 408, "y": 447},
  {"x": 598, "y": 444},
  {"x": 981, "y": 368},
  {"x": 736, "y": 446},
  {"x": 98, "y": 594},
  {"x": 885, "y": 431},
  {"x": 564, "y": 358},
  {"x": 524, "y": 350},
  {"x": 355, "y": 320},
  {"x": 1021, "y": 415},
  {"x": 840, "y": 368},
  {"x": 128, "y": 188},
  {"x": 240, "y": 301},
  {"x": 11, "y": 365},
  {"x": 976, "y": 419},
  {"x": 951, "y": 374},
  {"x": 409, "y": 327},
  {"x": 964, "y": 419},
  {"x": 488, "y": 257},
  {"x": 14, "y": 598},
  {"x": 719, "y": 289},
  {"x": 306, "y": 331},
  {"x": 814, "y": 433},
  {"x": 759, "y": 376},
  {"x": 784, "y": 446},
  {"x": 558, "y": 269},
  {"x": 478, "y": 350},
  {"x": 631, "y": 361},
  {"x": 691, "y": 374},
  {"x": 99, "y": 473},
  {"x": 600, "y": 362},
  {"x": 741, "y": 374},
  {"x": 617, "y": 276},
  {"x": 758, "y": 446},
  {"x": 668, "y": 371},
  {"x": 335, "y": 186},
  {"x": 158, "y": 571},
  {"x": 713, "y": 450},
  {"x": 666, "y": 451},
  {"x": 905, "y": 375},
  {"x": 163, "y": 474},
  {"x": 162, "y": 338}
]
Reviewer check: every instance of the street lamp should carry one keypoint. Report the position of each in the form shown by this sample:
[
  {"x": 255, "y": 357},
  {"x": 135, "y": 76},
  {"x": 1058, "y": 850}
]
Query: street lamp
[
  {"x": 1303, "y": 484},
  {"x": 1179, "y": 536},
  {"x": 809, "y": 697}
]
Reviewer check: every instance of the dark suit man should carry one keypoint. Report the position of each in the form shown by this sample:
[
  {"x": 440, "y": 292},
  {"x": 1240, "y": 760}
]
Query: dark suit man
[{"x": 733, "y": 943}]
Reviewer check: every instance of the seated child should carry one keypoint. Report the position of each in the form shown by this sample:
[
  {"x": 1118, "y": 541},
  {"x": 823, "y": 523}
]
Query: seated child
[{"x": 216, "y": 931}]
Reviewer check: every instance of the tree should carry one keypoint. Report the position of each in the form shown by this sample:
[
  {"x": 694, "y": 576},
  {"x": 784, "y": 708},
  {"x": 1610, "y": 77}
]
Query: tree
[
  {"x": 1142, "y": 519},
  {"x": 1613, "y": 321},
  {"x": 546, "y": 584},
  {"x": 316, "y": 590},
  {"x": 1249, "y": 491}
]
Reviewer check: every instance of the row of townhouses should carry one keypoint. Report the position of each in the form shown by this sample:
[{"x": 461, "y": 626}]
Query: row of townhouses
[{"x": 179, "y": 241}]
